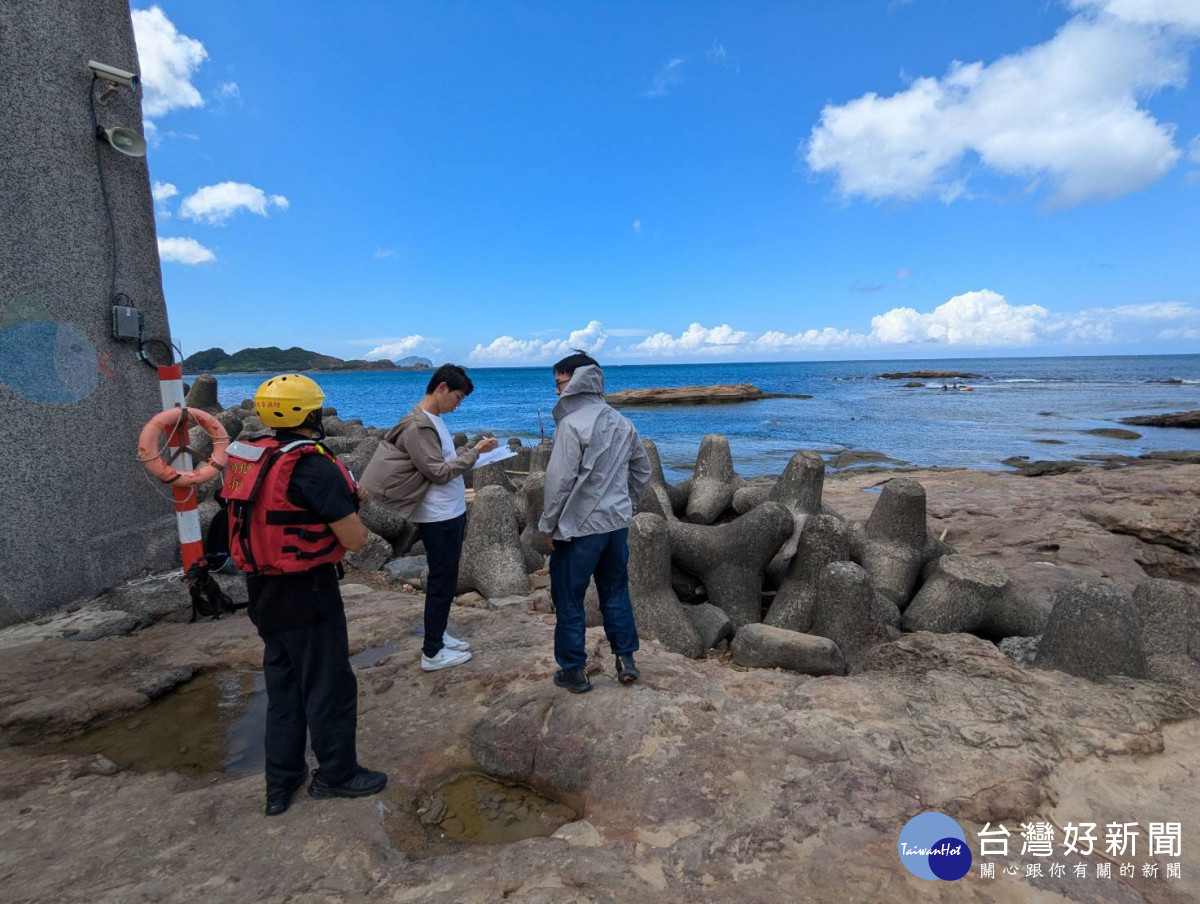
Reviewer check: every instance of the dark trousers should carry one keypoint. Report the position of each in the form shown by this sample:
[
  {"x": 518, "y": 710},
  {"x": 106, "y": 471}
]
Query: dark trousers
[
  {"x": 572, "y": 565},
  {"x": 311, "y": 688},
  {"x": 443, "y": 548}
]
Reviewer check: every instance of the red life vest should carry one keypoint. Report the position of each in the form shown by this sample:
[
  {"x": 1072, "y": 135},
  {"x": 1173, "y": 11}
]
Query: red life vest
[{"x": 267, "y": 533}]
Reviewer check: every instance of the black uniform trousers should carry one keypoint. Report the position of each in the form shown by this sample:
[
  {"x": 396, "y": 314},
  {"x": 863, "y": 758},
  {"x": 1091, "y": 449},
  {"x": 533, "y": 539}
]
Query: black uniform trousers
[{"x": 310, "y": 688}]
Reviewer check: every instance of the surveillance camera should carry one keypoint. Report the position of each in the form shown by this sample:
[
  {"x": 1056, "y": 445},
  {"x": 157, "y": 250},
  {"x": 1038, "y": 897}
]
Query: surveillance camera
[{"x": 113, "y": 74}]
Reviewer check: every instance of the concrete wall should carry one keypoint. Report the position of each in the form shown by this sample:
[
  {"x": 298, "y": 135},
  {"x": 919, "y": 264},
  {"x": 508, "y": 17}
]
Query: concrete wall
[{"x": 77, "y": 513}]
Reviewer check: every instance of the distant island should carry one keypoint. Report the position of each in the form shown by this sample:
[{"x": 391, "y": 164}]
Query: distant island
[{"x": 278, "y": 360}]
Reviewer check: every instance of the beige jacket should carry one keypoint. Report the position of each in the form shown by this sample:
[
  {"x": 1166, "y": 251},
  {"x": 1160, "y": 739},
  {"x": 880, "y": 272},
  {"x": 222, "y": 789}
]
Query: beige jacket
[{"x": 408, "y": 461}]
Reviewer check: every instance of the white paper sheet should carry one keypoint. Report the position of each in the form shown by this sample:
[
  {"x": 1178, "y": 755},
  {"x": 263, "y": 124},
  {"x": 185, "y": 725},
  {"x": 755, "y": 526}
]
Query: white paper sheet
[{"x": 497, "y": 454}]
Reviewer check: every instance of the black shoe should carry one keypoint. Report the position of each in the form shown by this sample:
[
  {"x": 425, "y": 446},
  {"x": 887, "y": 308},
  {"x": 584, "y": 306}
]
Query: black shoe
[
  {"x": 279, "y": 799},
  {"x": 574, "y": 680},
  {"x": 627, "y": 672},
  {"x": 363, "y": 784}
]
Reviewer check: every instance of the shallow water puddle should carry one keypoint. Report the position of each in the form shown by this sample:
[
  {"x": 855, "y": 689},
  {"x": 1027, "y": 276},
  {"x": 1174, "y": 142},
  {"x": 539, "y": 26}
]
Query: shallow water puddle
[
  {"x": 214, "y": 723},
  {"x": 477, "y": 809},
  {"x": 373, "y": 656}
]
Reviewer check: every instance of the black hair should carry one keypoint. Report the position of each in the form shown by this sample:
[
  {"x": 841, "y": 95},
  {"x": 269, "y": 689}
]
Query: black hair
[
  {"x": 316, "y": 421},
  {"x": 454, "y": 377},
  {"x": 571, "y": 363}
]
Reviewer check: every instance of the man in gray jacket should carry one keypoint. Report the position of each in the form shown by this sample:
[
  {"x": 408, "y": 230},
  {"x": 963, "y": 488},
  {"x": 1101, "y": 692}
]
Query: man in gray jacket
[{"x": 596, "y": 477}]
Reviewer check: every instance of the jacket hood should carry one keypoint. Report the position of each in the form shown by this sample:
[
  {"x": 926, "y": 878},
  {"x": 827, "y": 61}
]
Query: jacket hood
[
  {"x": 588, "y": 379},
  {"x": 586, "y": 387}
]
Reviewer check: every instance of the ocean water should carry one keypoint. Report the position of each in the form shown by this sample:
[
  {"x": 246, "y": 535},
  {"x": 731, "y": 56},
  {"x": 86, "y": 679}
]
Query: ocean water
[{"x": 1015, "y": 403}]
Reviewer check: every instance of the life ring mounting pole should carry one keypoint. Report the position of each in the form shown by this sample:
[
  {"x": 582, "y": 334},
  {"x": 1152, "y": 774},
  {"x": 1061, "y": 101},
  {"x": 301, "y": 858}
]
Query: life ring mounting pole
[{"x": 187, "y": 515}]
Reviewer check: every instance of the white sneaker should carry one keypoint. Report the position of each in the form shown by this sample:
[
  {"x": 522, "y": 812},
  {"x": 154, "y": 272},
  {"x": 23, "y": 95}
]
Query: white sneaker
[
  {"x": 445, "y": 658},
  {"x": 454, "y": 643}
]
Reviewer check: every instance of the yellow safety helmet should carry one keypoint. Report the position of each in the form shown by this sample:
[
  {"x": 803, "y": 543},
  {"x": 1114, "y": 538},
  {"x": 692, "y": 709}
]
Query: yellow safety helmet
[{"x": 287, "y": 400}]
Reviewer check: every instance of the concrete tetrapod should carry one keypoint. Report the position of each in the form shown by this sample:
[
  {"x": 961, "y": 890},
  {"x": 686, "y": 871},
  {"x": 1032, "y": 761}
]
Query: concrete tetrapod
[
  {"x": 656, "y": 609},
  {"x": 679, "y": 494},
  {"x": 822, "y": 542},
  {"x": 712, "y": 486},
  {"x": 966, "y": 595},
  {"x": 493, "y": 561},
  {"x": 799, "y": 488},
  {"x": 847, "y": 612},
  {"x": 203, "y": 394},
  {"x": 751, "y": 496},
  {"x": 493, "y": 475},
  {"x": 534, "y": 542},
  {"x": 657, "y": 500},
  {"x": 1093, "y": 632},
  {"x": 384, "y": 521},
  {"x": 730, "y": 558},
  {"x": 540, "y": 456},
  {"x": 892, "y": 543},
  {"x": 1170, "y": 615},
  {"x": 710, "y": 623},
  {"x": 764, "y": 647}
]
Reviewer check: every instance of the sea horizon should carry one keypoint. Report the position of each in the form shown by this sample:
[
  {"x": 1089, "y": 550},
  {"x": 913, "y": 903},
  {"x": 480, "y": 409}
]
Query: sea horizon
[
  {"x": 1038, "y": 407},
  {"x": 699, "y": 363}
]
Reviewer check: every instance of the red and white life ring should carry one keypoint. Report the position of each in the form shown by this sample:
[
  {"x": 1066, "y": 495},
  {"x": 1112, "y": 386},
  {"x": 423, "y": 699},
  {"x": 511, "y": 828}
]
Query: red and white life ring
[{"x": 168, "y": 422}]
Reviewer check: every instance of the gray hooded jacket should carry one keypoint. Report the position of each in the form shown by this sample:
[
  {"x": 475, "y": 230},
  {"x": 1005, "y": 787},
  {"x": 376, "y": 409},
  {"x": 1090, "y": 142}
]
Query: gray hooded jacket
[{"x": 598, "y": 470}]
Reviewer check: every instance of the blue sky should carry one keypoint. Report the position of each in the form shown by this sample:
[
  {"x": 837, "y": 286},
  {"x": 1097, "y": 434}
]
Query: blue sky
[{"x": 492, "y": 183}]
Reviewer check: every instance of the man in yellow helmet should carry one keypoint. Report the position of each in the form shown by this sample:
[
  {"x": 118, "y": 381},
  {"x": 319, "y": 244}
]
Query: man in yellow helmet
[{"x": 293, "y": 514}]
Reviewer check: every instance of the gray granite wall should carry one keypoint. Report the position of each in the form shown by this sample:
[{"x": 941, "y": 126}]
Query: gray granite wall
[{"x": 77, "y": 513}]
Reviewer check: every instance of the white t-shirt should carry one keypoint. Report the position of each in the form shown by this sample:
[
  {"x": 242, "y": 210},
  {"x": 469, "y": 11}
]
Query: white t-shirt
[{"x": 447, "y": 500}]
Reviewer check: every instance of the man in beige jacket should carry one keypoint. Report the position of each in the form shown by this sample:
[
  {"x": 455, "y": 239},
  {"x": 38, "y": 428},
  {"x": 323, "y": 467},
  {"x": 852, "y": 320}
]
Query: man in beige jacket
[{"x": 417, "y": 472}]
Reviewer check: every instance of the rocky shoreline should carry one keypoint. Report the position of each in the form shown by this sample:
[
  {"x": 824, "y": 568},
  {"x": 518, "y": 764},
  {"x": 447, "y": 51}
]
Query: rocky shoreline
[{"x": 825, "y": 656}]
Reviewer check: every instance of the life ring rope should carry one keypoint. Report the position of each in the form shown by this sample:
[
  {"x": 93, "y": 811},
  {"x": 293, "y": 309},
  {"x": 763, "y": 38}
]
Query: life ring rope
[{"x": 155, "y": 440}]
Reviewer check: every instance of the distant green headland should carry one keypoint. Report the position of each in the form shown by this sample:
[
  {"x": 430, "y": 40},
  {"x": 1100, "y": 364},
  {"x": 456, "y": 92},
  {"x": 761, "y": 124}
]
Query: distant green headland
[{"x": 278, "y": 360}]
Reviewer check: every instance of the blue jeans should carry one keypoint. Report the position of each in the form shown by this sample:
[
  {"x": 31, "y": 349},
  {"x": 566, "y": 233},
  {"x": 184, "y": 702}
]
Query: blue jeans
[{"x": 572, "y": 565}]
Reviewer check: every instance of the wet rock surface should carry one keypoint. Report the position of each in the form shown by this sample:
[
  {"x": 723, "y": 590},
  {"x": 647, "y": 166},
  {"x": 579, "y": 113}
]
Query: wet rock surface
[
  {"x": 1177, "y": 419},
  {"x": 704, "y": 782}
]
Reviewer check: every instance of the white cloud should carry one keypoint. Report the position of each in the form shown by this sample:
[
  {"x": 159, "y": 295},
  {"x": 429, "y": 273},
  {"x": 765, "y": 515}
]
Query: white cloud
[
  {"x": 1067, "y": 111},
  {"x": 229, "y": 91},
  {"x": 1180, "y": 334},
  {"x": 668, "y": 78},
  {"x": 627, "y": 332},
  {"x": 398, "y": 348},
  {"x": 507, "y": 348},
  {"x": 167, "y": 61},
  {"x": 1182, "y": 14},
  {"x": 163, "y": 191},
  {"x": 719, "y": 56},
  {"x": 184, "y": 251},
  {"x": 695, "y": 340},
  {"x": 382, "y": 254},
  {"x": 215, "y": 204},
  {"x": 1194, "y": 150},
  {"x": 637, "y": 227},
  {"x": 981, "y": 319}
]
